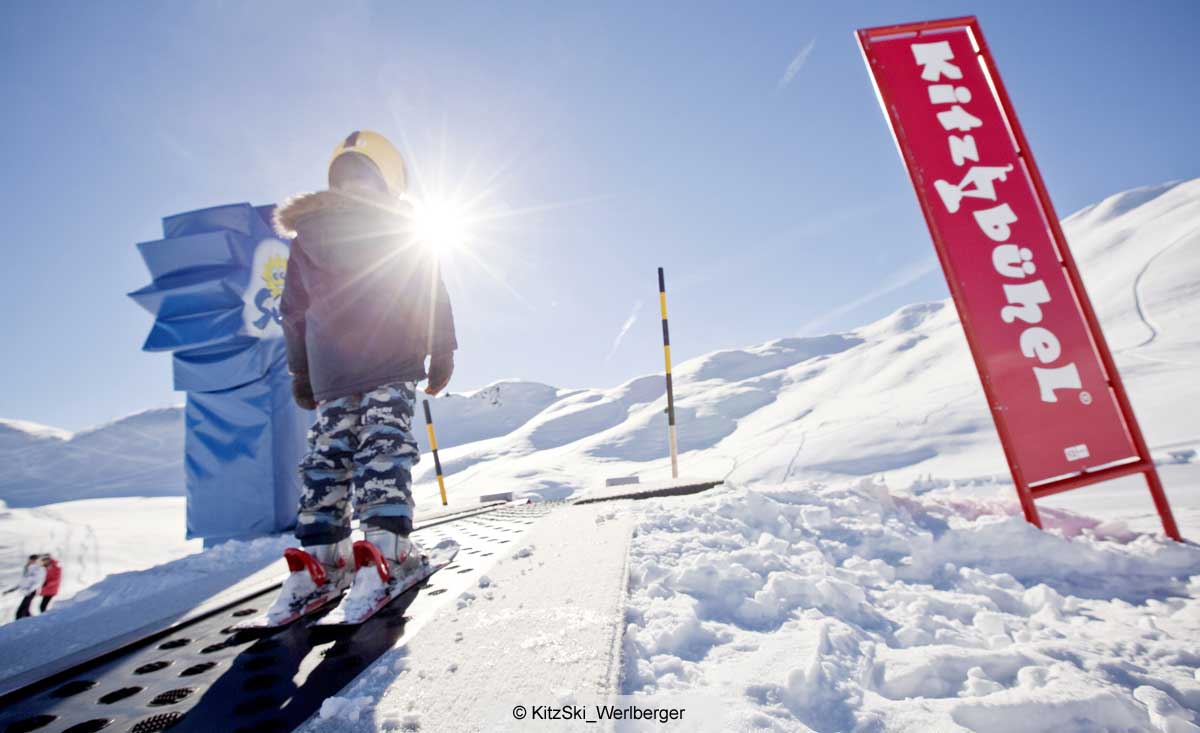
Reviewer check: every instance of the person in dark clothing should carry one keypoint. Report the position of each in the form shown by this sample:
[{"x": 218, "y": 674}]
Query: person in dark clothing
[
  {"x": 32, "y": 579},
  {"x": 53, "y": 580},
  {"x": 363, "y": 306}
]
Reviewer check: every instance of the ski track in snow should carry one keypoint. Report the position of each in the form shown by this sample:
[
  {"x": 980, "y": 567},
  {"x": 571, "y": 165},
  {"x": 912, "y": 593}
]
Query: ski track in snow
[
  {"x": 1144, "y": 312},
  {"x": 1139, "y": 295},
  {"x": 792, "y": 463}
]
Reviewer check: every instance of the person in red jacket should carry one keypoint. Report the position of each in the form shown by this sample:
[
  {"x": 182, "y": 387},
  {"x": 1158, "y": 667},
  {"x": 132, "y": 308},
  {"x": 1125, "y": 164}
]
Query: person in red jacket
[{"x": 53, "y": 579}]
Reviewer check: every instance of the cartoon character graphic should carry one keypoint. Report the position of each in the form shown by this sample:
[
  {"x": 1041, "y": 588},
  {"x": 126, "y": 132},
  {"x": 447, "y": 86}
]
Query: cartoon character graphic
[{"x": 273, "y": 275}]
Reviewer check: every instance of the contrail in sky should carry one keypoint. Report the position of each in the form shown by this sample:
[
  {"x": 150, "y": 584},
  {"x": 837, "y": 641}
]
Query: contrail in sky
[
  {"x": 632, "y": 319},
  {"x": 796, "y": 65}
]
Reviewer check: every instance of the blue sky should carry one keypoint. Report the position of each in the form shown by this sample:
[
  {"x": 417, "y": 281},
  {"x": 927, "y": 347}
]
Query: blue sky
[{"x": 738, "y": 145}]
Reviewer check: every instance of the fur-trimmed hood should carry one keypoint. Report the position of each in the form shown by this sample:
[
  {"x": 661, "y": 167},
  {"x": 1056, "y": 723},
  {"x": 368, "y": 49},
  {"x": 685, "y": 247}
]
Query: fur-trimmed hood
[
  {"x": 362, "y": 306},
  {"x": 288, "y": 216}
]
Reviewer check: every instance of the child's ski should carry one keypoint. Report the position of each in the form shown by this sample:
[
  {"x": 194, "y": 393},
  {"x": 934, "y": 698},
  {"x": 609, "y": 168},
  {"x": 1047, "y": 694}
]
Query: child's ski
[
  {"x": 310, "y": 591},
  {"x": 375, "y": 587}
]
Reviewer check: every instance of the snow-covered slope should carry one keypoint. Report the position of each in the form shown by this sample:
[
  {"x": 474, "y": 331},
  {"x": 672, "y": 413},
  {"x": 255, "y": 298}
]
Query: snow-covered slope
[
  {"x": 898, "y": 397},
  {"x": 1142, "y": 255},
  {"x": 140, "y": 455}
]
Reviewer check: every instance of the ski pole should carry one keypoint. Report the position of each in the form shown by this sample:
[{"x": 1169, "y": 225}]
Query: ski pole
[
  {"x": 662, "y": 301},
  {"x": 437, "y": 463}
]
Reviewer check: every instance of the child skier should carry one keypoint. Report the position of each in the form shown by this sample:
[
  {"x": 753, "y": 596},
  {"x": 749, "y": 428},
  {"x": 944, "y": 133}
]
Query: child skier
[
  {"x": 32, "y": 579},
  {"x": 363, "y": 306}
]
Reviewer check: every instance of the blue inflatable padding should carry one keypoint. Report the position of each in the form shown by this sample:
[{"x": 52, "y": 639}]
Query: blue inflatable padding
[
  {"x": 228, "y": 435},
  {"x": 209, "y": 249},
  {"x": 249, "y": 221},
  {"x": 236, "y": 359},
  {"x": 217, "y": 276},
  {"x": 290, "y": 426},
  {"x": 177, "y": 297},
  {"x": 196, "y": 329}
]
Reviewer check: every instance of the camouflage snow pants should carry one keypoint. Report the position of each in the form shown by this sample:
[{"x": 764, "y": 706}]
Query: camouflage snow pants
[{"x": 362, "y": 449}]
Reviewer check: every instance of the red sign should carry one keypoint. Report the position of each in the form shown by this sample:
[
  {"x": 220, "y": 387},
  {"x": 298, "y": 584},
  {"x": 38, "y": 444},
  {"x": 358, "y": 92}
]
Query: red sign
[{"x": 1049, "y": 379}]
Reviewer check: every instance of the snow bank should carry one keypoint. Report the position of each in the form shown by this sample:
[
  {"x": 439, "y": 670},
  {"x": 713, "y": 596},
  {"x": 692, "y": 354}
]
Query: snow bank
[{"x": 845, "y": 607}]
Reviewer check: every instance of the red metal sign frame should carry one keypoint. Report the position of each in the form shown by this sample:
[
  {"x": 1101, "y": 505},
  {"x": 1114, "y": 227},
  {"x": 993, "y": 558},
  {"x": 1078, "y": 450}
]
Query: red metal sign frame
[{"x": 1026, "y": 492}]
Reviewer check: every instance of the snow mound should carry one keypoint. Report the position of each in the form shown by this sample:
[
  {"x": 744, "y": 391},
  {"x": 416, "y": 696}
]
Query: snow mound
[
  {"x": 13, "y": 432},
  {"x": 772, "y": 356},
  {"x": 848, "y": 607},
  {"x": 349, "y": 709},
  {"x": 1120, "y": 204},
  {"x": 496, "y": 410},
  {"x": 140, "y": 455}
]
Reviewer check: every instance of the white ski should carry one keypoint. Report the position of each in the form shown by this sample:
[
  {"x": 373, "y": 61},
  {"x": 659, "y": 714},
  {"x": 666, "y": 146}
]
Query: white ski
[
  {"x": 314, "y": 591},
  {"x": 372, "y": 592}
]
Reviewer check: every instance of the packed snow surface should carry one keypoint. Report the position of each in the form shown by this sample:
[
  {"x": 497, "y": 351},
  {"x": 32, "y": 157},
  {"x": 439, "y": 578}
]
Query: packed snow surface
[
  {"x": 539, "y": 627},
  {"x": 845, "y": 607}
]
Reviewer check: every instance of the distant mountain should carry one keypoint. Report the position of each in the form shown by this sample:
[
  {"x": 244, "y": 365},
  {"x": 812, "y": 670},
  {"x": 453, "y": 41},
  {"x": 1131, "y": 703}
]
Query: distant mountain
[
  {"x": 491, "y": 412},
  {"x": 140, "y": 455}
]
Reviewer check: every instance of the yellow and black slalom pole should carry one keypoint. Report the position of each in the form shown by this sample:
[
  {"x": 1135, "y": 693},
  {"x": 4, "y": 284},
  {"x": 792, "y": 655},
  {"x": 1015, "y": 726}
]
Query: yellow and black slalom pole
[
  {"x": 671, "y": 436},
  {"x": 437, "y": 463}
]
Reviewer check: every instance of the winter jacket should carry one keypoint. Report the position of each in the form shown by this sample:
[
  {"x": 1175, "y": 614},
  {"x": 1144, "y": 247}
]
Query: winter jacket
[
  {"x": 363, "y": 304},
  {"x": 33, "y": 578},
  {"x": 53, "y": 578}
]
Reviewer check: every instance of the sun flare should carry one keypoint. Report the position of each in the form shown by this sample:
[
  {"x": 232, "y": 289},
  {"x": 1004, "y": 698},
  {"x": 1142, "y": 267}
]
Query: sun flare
[{"x": 441, "y": 224}]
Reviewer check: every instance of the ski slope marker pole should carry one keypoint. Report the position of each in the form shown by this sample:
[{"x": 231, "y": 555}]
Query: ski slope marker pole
[
  {"x": 437, "y": 463},
  {"x": 671, "y": 436}
]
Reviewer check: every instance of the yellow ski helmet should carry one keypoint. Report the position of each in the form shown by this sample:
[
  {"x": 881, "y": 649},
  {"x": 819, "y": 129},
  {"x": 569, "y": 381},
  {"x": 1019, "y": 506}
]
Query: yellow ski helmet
[{"x": 376, "y": 148}]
